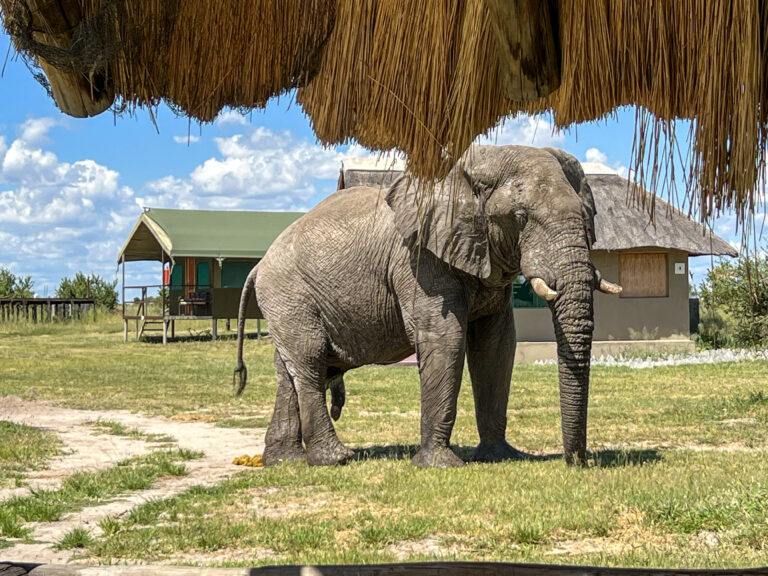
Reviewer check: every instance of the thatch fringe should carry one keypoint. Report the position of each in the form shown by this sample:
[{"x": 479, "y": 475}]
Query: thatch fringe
[{"x": 428, "y": 77}]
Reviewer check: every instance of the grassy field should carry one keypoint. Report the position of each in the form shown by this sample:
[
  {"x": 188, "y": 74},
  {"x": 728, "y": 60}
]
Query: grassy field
[
  {"x": 23, "y": 448},
  {"x": 679, "y": 473},
  {"x": 87, "y": 489}
]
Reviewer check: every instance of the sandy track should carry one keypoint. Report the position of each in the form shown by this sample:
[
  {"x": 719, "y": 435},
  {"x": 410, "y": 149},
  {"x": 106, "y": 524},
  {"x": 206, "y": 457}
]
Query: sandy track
[{"x": 86, "y": 449}]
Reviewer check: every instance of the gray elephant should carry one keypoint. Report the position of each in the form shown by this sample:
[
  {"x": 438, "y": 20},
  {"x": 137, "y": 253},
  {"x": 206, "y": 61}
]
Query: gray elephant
[{"x": 369, "y": 275}]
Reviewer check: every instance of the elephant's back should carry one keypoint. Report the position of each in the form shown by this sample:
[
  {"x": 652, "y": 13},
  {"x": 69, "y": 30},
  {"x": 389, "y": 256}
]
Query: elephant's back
[{"x": 336, "y": 262}]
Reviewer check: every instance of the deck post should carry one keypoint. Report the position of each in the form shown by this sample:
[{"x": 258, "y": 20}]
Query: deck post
[
  {"x": 165, "y": 331},
  {"x": 122, "y": 289},
  {"x": 125, "y": 330},
  {"x": 258, "y": 328},
  {"x": 213, "y": 331},
  {"x": 173, "y": 328}
]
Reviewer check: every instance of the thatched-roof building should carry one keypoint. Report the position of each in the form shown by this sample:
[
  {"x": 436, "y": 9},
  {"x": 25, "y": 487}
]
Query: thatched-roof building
[
  {"x": 648, "y": 258},
  {"x": 428, "y": 77}
]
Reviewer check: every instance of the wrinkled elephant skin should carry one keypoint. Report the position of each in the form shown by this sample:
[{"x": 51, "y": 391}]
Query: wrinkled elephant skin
[{"x": 369, "y": 276}]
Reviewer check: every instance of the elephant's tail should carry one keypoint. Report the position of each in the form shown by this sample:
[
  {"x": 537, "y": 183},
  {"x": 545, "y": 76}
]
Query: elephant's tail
[{"x": 240, "y": 376}]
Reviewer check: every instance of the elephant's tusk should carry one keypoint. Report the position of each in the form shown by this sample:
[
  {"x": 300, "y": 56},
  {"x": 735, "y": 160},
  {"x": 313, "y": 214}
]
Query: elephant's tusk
[
  {"x": 609, "y": 287},
  {"x": 542, "y": 290}
]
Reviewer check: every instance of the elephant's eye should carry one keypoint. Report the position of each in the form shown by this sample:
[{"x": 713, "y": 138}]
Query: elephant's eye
[{"x": 522, "y": 218}]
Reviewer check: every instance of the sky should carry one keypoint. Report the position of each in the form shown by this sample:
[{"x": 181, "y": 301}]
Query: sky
[{"x": 71, "y": 189}]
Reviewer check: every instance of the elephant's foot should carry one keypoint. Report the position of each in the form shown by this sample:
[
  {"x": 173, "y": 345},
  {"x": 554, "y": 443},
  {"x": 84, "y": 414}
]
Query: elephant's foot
[
  {"x": 498, "y": 452},
  {"x": 287, "y": 452},
  {"x": 436, "y": 457},
  {"x": 328, "y": 454}
]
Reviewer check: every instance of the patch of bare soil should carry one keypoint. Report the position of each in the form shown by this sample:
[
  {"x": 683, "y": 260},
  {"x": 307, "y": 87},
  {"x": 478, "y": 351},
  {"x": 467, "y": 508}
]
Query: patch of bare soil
[
  {"x": 630, "y": 534},
  {"x": 427, "y": 547},
  {"x": 87, "y": 449}
]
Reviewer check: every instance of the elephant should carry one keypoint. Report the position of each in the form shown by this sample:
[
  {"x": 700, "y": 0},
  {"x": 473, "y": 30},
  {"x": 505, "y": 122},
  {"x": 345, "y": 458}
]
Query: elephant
[{"x": 370, "y": 275}]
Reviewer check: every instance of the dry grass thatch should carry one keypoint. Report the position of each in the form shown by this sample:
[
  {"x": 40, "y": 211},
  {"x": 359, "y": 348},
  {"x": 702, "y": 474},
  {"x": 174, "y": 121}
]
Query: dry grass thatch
[{"x": 428, "y": 77}]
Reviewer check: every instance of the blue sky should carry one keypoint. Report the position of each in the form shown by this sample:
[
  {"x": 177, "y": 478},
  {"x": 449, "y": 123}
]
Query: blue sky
[{"x": 71, "y": 189}]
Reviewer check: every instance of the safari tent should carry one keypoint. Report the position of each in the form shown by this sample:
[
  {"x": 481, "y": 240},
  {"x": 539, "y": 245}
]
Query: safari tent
[
  {"x": 649, "y": 259},
  {"x": 204, "y": 257},
  {"x": 427, "y": 78}
]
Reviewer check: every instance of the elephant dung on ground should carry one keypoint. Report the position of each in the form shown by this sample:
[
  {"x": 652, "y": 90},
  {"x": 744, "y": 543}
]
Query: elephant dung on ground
[{"x": 370, "y": 275}]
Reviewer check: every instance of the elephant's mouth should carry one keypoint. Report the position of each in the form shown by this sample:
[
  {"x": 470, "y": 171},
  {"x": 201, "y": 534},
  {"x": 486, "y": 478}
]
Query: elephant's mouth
[{"x": 543, "y": 290}]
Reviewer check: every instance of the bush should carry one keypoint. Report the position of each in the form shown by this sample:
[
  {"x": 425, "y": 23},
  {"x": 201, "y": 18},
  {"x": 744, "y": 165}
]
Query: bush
[
  {"x": 93, "y": 286},
  {"x": 734, "y": 303},
  {"x": 12, "y": 286}
]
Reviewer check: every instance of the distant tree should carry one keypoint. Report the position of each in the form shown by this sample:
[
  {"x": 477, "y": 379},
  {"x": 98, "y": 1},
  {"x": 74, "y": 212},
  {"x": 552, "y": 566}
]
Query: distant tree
[
  {"x": 12, "y": 286},
  {"x": 92, "y": 286},
  {"x": 734, "y": 303}
]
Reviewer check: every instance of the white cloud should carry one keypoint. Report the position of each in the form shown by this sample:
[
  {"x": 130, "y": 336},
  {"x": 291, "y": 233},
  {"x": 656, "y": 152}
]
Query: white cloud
[
  {"x": 188, "y": 139},
  {"x": 524, "y": 130},
  {"x": 59, "y": 217},
  {"x": 594, "y": 155},
  {"x": 231, "y": 117},
  {"x": 256, "y": 169},
  {"x": 35, "y": 130}
]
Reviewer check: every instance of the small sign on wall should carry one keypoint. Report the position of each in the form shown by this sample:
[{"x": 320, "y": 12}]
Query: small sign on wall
[{"x": 679, "y": 267}]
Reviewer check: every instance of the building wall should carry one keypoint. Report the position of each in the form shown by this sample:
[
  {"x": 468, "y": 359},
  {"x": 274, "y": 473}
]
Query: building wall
[{"x": 622, "y": 318}]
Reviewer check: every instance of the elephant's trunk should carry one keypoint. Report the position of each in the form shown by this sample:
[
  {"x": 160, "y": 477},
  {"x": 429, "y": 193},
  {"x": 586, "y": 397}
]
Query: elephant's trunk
[
  {"x": 573, "y": 317},
  {"x": 240, "y": 377}
]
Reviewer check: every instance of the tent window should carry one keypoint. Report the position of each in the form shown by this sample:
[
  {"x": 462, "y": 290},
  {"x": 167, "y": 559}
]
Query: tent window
[
  {"x": 203, "y": 274},
  {"x": 177, "y": 276},
  {"x": 523, "y": 295},
  {"x": 233, "y": 273},
  {"x": 643, "y": 275}
]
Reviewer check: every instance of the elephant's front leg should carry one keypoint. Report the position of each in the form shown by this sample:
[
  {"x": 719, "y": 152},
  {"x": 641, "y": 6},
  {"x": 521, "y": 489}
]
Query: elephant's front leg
[
  {"x": 440, "y": 351},
  {"x": 491, "y": 355}
]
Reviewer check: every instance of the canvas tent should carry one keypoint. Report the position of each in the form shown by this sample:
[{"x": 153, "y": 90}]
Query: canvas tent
[
  {"x": 205, "y": 256},
  {"x": 427, "y": 78}
]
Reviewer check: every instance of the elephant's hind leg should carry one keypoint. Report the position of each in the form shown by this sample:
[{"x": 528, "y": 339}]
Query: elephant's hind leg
[
  {"x": 283, "y": 439},
  {"x": 309, "y": 372}
]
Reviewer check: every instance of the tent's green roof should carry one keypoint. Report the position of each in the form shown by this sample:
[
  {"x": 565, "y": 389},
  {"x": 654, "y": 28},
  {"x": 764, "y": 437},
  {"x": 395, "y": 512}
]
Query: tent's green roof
[{"x": 203, "y": 233}]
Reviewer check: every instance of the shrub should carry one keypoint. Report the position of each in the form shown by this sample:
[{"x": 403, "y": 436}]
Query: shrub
[
  {"x": 12, "y": 286},
  {"x": 734, "y": 303},
  {"x": 93, "y": 286}
]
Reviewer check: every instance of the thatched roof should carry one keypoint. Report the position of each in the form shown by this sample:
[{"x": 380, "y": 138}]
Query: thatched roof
[
  {"x": 620, "y": 223},
  {"x": 376, "y": 172},
  {"x": 428, "y": 77}
]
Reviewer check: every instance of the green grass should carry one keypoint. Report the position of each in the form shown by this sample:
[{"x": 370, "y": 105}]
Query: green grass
[
  {"x": 119, "y": 429},
  {"x": 23, "y": 448},
  {"x": 678, "y": 475},
  {"x": 77, "y": 538},
  {"x": 89, "y": 488},
  {"x": 650, "y": 514}
]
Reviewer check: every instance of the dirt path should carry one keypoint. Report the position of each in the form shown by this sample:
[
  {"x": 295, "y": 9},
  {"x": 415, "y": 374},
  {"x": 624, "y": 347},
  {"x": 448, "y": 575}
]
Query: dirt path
[{"x": 85, "y": 448}]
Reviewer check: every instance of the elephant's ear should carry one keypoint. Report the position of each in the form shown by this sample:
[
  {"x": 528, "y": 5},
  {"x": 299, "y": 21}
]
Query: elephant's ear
[
  {"x": 578, "y": 180},
  {"x": 447, "y": 219}
]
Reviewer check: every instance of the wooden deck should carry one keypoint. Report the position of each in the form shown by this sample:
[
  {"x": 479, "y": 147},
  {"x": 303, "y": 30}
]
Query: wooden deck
[{"x": 45, "y": 309}]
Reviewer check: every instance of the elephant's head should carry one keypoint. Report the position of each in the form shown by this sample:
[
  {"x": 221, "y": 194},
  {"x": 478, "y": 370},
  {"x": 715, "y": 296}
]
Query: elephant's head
[{"x": 509, "y": 210}]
